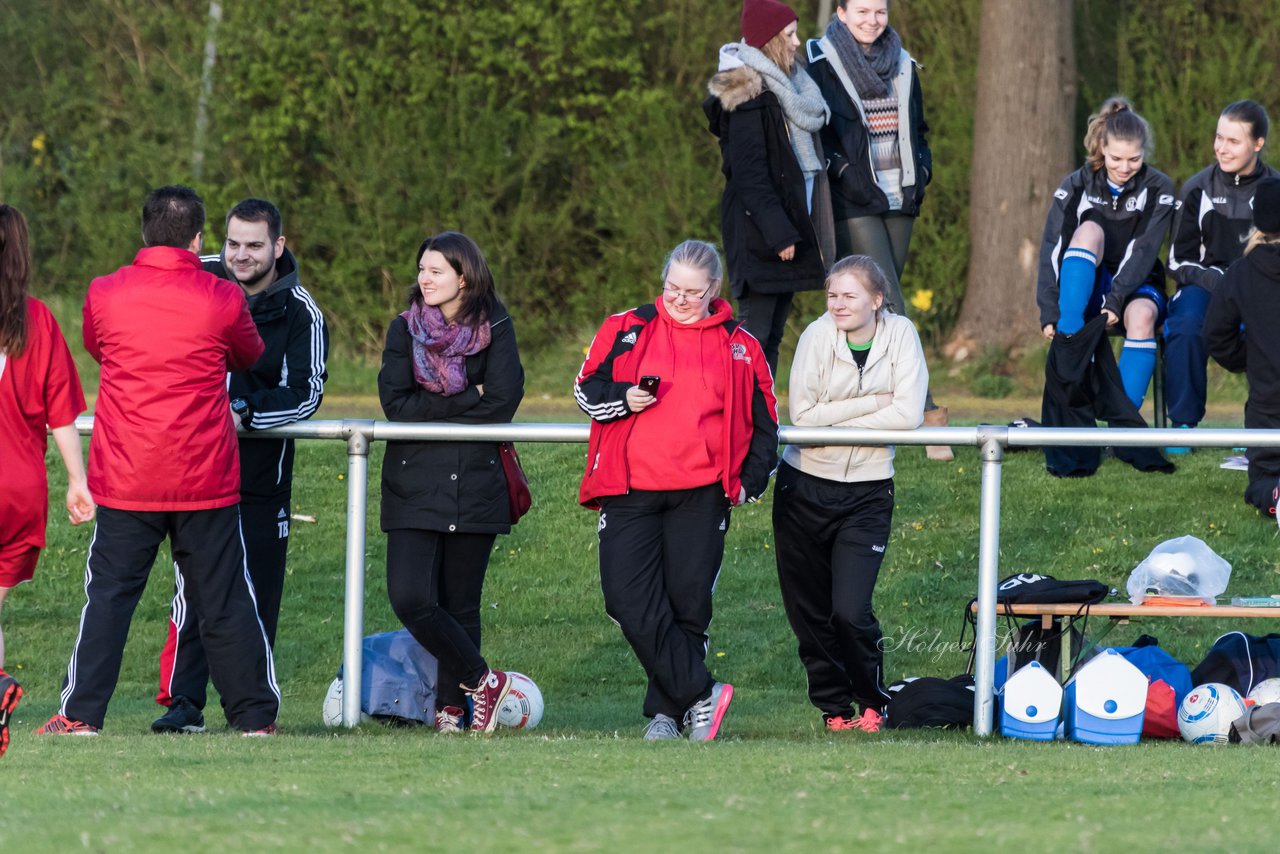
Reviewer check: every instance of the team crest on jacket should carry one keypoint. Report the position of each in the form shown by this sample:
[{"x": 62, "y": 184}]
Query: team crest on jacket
[{"x": 739, "y": 352}]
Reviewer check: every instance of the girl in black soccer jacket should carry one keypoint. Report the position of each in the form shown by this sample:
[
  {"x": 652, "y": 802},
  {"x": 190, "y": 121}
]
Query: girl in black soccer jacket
[
  {"x": 1101, "y": 247},
  {"x": 1210, "y": 228}
]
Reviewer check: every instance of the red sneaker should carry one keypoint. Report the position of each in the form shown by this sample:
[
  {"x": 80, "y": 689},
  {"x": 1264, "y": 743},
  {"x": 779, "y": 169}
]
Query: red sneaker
[
  {"x": 10, "y": 694},
  {"x": 449, "y": 720},
  {"x": 268, "y": 730},
  {"x": 839, "y": 723},
  {"x": 871, "y": 721},
  {"x": 62, "y": 725},
  {"x": 486, "y": 699}
]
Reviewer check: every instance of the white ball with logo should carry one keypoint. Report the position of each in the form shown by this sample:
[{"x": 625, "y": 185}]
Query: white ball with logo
[
  {"x": 522, "y": 709},
  {"x": 1206, "y": 714}
]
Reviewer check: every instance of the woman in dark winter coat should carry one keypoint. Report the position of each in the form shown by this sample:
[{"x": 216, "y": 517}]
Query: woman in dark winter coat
[
  {"x": 1239, "y": 332},
  {"x": 451, "y": 356},
  {"x": 1210, "y": 228},
  {"x": 775, "y": 214},
  {"x": 1101, "y": 247},
  {"x": 877, "y": 146},
  {"x": 683, "y": 427}
]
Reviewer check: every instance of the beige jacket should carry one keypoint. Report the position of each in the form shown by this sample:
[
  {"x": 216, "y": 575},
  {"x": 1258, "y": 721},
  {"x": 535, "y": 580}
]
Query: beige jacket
[{"x": 827, "y": 390}]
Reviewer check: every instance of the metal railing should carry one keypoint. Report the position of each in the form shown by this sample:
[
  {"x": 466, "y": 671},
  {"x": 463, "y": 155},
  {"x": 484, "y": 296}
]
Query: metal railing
[{"x": 991, "y": 441}]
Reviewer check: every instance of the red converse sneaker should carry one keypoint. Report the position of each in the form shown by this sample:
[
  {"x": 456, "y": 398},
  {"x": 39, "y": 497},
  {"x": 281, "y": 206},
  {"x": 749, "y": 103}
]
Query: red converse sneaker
[
  {"x": 10, "y": 694},
  {"x": 485, "y": 700},
  {"x": 62, "y": 725},
  {"x": 449, "y": 720}
]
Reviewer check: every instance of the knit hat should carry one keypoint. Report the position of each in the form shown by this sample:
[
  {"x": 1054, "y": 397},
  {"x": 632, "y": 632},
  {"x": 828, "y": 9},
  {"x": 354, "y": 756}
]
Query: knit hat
[
  {"x": 1266, "y": 205},
  {"x": 764, "y": 19}
]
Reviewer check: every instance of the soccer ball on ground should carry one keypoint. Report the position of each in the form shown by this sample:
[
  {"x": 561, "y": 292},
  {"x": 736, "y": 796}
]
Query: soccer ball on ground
[
  {"x": 1206, "y": 714},
  {"x": 522, "y": 709},
  {"x": 331, "y": 711},
  {"x": 1266, "y": 691}
]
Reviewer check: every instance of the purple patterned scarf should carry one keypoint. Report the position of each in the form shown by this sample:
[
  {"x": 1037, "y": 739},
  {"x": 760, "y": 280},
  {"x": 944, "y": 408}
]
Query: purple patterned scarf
[{"x": 440, "y": 348}]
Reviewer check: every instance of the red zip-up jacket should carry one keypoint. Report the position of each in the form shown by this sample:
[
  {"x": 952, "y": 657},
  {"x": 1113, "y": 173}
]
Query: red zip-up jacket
[
  {"x": 166, "y": 333},
  {"x": 749, "y": 441}
]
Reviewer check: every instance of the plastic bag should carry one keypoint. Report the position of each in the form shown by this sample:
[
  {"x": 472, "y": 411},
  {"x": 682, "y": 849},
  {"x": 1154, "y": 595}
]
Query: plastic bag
[{"x": 1183, "y": 568}]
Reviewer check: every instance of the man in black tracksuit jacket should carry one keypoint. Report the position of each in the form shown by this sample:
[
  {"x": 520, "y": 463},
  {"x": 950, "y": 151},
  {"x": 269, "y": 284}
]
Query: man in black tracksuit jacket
[{"x": 284, "y": 386}]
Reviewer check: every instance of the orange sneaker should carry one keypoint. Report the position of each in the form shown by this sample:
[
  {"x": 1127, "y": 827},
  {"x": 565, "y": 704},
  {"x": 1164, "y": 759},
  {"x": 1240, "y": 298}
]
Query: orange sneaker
[
  {"x": 839, "y": 723},
  {"x": 871, "y": 721},
  {"x": 63, "y": 725},
  {"x": 10, "y": 694}
]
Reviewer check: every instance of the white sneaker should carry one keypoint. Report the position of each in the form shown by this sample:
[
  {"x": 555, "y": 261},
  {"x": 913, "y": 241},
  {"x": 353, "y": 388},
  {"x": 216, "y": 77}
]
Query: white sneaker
[{"x": 661, "y": 728}]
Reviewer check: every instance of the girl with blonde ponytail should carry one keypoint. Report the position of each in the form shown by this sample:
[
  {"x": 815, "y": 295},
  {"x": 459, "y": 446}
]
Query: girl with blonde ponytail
[{"x": 1101, "y": 249}]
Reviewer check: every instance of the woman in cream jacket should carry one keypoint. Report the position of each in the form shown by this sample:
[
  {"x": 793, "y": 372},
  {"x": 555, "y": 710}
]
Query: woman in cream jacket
[{"x": 858, "y": 365}]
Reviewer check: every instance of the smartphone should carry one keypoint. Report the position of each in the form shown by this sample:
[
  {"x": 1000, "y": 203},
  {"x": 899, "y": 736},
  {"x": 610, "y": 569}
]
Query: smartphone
[{"x": 650, "y": 384}]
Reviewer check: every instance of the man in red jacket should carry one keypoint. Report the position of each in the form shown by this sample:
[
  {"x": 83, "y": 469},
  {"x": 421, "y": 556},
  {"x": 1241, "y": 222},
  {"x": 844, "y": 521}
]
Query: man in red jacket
[{"x": 163, "y": 461}]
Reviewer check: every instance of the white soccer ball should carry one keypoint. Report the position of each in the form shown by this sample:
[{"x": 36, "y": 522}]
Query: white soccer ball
[
  {"x": 331, "y": 711},
  {"x": 1206, "y": 714},
  {"x": 1266, "y": 691},
  {"x": 522, "y": 709}
]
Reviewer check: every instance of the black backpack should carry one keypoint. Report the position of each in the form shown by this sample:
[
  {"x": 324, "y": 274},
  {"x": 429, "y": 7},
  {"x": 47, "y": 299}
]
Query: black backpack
[
  {"x": 1240, "y": 660},
  {"x": 930, "y": 702}
]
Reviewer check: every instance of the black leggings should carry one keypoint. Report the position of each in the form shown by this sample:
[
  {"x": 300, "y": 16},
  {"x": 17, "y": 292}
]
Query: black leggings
[{"x": 434, "y": 582}]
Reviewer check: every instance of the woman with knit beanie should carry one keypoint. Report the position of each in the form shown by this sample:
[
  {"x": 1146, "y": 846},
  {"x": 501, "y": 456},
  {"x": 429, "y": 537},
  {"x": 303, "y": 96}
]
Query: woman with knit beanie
[
  {"x": 775, "y": 214},
  {"x": 878, "y": 154},
  {"x": 1243, "y": 313}
]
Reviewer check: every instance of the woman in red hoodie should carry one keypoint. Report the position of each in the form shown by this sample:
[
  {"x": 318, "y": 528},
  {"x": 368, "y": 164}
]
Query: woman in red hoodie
[{"x": 684, "y": 425}]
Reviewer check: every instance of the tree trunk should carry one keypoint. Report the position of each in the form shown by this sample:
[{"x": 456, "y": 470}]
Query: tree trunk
[{"x": 1023, "y": 144}]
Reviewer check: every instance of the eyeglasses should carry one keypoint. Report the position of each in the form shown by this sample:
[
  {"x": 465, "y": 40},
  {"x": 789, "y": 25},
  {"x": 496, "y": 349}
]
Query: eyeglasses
[{"x": 674, "y": 294}]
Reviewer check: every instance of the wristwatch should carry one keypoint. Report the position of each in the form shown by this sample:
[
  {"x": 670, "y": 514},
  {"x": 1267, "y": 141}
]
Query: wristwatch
[{"x": 241, "y": 407}]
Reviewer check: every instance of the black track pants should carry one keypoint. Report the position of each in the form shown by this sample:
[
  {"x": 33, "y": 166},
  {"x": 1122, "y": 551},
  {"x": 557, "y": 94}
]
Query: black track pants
[
  {"x": 660, "y": 555},
  {"x": 434, "y": 581},
  {"x": 207, "y": 545},
  {"x": 831, "y": 538},
  {"x": 184, "y": 671}
]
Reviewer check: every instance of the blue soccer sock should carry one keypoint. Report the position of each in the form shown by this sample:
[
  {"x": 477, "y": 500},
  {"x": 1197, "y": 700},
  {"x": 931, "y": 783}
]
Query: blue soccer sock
[
  {"x": 1075, "y": 286},
  {"x": 1137, "y": 364}
]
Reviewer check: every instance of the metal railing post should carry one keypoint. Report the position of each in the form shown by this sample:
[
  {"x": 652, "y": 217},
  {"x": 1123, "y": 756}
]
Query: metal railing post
[
  {"x": 992, "y": 441},
  {"x": 358, "y": 434}
]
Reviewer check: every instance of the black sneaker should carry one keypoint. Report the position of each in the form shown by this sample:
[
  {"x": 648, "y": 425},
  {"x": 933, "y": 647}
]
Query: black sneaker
[{"x": 183, "y": 716}]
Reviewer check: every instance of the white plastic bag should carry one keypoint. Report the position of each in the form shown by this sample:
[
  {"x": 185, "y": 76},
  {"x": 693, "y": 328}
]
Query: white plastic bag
[{"x": 1184, "y": 568}]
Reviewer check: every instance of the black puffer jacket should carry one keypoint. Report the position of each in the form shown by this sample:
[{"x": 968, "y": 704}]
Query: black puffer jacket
[
  {"x": 453, "y": 487},
  {"x": 847, "y": 140},
  {"x": 763, "y": 209}
]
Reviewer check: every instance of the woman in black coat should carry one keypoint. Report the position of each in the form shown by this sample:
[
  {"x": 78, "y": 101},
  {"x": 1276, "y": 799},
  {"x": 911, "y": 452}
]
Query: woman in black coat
[
  {"x": 451, "y": 356},
  {"x": 775, "y": 214},
  {"x": 878, "y": 157}
]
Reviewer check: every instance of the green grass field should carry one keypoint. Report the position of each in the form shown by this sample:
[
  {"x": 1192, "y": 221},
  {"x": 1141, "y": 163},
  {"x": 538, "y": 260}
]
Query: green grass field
[{"x": 584, "y": 780}]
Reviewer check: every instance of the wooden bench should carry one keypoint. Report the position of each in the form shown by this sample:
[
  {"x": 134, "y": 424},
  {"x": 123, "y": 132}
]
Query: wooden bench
[{"x": 1119, "y": 613}]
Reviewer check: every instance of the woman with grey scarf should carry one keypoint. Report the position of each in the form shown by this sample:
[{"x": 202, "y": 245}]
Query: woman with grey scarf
[
  {"x": 877, "y": 148},
  {"x": 775, "y": 214}
]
